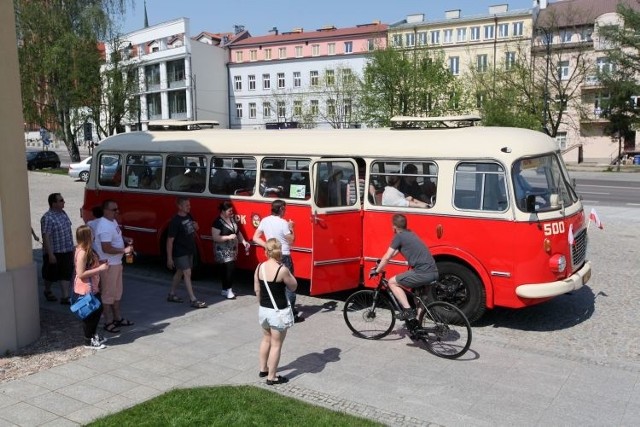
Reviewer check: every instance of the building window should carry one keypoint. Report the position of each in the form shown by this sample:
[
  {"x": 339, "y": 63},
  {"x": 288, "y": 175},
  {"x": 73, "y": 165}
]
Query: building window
[
  {"x": 397, "y": 40},
  {"x": 347, "y": 107},
  {"x": 566, "y": 35},
  {"x": 239, "y": 56},
  {"x": 481, "y": 63},
  {"x": 252, "y": 110},
  {"x": 347, "y": 76},
  {"x": 604, "y": 65},
  {"x": 331, "y": 77},
  {"x": 239, "y": 111},
  {"x": 503, "y": 30},
  {"x": 435, "y": 37},
  {"x": 298, "y": 51},
  {"x": 266, "y": 81},
  {"x": 178, "y": 104},
  {"x": 282, "y": 53},
  {"x": 462, "y": 35},
  {"x": 314, "y": 107},
  {"x": 371, "y": 44},
  {"x": 297, "y": 108},
  {"x": 454, "y": 65},
  {"x": 253, "y": 55},
  {"x": 267, "y": 54},
  {"x": 479, "y": 99},
  {"x": 475, "y": 33},
  {"x": 509, "y": 60},
  {"x": 315, "y": 50},
  {"x": 561, "y": 139},
  {"x": 152, "y": 76},
  {"x": 448, "y": 36},
  {"x": 252, "y": 82},
  {"x": 313, "y": 75},
  {"x": 489, "y": 32},
  {"x": 331, "y": 49},
  {"x": 280, "y": 80},
  {"x": 237, "y": 82},
  {"x": 282, "y": 109},
  {"x": 296, "y": 79},
  {"x": 348, "y": 47},
  {"x": 563, "y": 70},
  {"x": 422, "y": 38},
  {"x": 331, "y": 107},
  {"x": 176, "y": 73},
  {"x": 517, "y": 29},
  {"x": 410, "y": 39},
  {"x": 266, "y": 109},
  {"x": 154, "y": 106}
]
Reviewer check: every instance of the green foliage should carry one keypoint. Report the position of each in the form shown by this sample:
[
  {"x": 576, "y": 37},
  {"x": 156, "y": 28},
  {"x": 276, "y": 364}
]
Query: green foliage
[
  {"x": 228, "y": 406},
  {"x": 408, "y": 83},
  {"x": 60, "y": 61}
]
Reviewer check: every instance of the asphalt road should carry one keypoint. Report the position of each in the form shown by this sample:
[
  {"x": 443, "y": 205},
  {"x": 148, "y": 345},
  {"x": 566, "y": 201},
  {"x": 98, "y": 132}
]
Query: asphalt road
[{"x": 608, "y": 188}]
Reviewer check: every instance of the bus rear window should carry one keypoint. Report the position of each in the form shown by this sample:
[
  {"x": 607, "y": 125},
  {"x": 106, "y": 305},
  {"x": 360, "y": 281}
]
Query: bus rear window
[{"x": 109, "y": 170}]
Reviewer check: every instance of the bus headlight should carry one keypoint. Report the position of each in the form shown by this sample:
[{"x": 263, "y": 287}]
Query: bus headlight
[{"x": 558, "y": 263}]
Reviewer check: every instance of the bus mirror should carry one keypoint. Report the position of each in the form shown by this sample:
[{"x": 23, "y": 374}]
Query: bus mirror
[
  {"x": 531, "y": 203},
  {"x": 554, "y": 201}
]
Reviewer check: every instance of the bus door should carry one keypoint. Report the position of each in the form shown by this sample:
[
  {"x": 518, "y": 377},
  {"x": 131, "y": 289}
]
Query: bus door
[{"x": 336, "y": 226}]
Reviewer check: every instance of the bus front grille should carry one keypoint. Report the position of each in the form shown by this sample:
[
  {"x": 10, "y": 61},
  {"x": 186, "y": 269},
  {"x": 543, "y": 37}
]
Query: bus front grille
[{"x": 579, "y": 248}]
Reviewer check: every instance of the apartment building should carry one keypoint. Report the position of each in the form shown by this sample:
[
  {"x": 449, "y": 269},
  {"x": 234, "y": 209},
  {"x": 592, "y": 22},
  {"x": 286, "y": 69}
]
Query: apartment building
[
  {"x": 179, "y": 78},
  {"x": 477, "y": 42},
  {"x": 566, "y": 37},
  {"x": 299, "y": 78}
]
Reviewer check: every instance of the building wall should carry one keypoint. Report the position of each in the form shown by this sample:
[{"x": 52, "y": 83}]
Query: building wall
[
  {"x": 208, "y": 65},
  {"x": 19, "y": 307}
]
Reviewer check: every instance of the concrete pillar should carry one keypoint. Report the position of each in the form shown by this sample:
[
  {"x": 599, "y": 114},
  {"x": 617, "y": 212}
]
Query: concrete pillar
[{"x": 19, "y": 309}]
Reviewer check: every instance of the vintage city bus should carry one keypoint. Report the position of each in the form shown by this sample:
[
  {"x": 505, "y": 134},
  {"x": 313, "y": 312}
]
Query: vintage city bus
[{"x": 495, "y": 205}]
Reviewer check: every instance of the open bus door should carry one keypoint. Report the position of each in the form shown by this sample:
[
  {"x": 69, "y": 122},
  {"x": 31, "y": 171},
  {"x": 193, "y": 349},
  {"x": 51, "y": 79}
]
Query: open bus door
[{"x": 336, "y": 226}]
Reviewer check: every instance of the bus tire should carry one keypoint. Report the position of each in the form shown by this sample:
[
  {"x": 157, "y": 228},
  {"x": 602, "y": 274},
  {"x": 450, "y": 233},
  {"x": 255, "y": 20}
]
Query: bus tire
[{"x": 460, "y": 286}]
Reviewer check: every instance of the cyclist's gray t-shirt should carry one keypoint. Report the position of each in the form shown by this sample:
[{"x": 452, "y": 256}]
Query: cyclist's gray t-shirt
[{"x": 415, "y": 251}]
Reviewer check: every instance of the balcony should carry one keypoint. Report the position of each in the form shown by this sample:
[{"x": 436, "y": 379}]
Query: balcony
[
  {"x": 591, "y": 83},
  {"x": 596, "y": 117}
]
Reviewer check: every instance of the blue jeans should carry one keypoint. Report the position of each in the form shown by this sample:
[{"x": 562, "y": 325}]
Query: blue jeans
[{"x": 291, "y": 296}]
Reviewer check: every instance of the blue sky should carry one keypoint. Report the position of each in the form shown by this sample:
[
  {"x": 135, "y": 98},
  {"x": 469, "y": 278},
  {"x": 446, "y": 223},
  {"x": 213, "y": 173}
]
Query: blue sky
[{"x": 259, "y": 16}]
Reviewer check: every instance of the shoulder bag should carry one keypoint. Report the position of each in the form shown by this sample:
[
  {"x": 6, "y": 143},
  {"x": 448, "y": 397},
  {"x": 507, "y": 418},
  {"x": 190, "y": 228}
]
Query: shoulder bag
[
  {"x": 85, "y": 305},
  {"x": 284, "y": 316}
]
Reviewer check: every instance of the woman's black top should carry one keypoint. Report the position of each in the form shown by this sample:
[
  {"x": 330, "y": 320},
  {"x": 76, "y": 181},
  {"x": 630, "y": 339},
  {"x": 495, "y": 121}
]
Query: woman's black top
[{"x": 278, "y": 291}]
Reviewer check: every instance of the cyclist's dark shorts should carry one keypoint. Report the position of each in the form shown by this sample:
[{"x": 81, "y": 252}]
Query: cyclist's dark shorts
[{"x": 415, "y": 279}]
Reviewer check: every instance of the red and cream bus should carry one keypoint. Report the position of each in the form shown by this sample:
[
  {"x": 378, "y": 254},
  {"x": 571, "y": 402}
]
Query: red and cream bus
[{"x": 495, "y": 205}]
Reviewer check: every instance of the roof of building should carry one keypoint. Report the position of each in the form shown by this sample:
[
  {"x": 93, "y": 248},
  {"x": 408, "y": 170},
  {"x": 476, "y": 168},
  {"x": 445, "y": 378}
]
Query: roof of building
[
  {"x": 566, "y": 13},
  {"x": 456, "y": 21},
  {"x": 328, "y": 32}
]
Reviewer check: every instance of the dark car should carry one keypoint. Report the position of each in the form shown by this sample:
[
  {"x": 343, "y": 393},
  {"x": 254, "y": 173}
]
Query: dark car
[{"x": 42, "y": 159}]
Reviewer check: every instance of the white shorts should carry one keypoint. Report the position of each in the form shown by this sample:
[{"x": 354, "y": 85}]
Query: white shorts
[{"x": 268, "y": 319}]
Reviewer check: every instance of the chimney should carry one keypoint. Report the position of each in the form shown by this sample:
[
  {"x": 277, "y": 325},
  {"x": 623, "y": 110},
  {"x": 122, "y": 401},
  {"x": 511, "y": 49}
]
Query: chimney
[
  {"x": 452, "y": 14},
  {"x": 415, "y": 18},
  {"x": 498, "y": 8},
  {"x": 273, "y": 30}
]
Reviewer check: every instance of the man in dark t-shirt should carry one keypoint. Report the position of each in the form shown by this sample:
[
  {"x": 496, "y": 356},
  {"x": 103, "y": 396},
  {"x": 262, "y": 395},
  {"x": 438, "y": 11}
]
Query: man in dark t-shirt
[
  {"x": 181, "y": 245},
  {"x": 423, "y": 266}
]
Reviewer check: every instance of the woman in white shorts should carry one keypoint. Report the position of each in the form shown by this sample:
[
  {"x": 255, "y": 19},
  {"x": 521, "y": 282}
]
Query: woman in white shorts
[{"x": 278, "y": 278}]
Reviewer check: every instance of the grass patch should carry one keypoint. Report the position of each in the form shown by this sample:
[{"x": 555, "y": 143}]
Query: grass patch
[
  {"x": 57, "y": 171},
  {"x": 228, "y": 406}
]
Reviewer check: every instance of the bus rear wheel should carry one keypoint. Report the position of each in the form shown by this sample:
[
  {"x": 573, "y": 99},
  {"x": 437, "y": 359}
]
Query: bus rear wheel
[{"x": 460, "y": 286}]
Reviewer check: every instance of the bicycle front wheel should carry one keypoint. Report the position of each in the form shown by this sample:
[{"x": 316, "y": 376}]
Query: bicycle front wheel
[
  {"x": 445, "y": 329},
  {"x": 369, "y": 314}
]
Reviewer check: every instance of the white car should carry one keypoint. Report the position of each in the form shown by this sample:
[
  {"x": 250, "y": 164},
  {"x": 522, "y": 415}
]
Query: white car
[{"x": 80, "y": 170}]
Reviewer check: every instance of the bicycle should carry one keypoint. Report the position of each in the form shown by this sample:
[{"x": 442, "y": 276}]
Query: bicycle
[{"x": 371, "y": 314}]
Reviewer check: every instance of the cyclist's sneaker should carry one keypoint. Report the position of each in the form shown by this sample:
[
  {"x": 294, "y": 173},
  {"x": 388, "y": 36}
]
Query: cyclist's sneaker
[
  {"x": 412, "y": 324},
  {"x": 406, "y": 314}
]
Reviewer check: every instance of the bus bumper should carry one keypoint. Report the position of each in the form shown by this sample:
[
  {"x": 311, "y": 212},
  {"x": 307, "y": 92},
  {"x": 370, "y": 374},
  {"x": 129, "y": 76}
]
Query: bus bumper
[{"x": 546, "y": 290}]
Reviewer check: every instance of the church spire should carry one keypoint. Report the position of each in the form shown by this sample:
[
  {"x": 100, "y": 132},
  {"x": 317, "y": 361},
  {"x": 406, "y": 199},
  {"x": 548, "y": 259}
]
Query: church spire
[{"x": 146, "y": 18}]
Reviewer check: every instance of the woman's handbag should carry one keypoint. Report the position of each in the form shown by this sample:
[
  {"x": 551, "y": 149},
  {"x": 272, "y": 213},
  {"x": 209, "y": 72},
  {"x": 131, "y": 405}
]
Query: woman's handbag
[
  {"x": 285, "y": 316},
  {"x": 85, "y": 305}
]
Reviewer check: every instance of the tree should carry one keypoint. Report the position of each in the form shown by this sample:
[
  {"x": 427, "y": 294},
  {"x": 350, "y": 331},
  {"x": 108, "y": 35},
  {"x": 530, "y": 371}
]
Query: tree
[
  {"x": 60, "y": 61},
  {"x": 408, "y": 82},
  {"x": 341, "y": 97},
  {"x": 620, "y": 79}
]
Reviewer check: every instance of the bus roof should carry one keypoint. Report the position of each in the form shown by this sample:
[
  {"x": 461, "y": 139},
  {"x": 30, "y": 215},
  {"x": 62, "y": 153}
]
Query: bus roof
[{"x": 466, "y": 142}]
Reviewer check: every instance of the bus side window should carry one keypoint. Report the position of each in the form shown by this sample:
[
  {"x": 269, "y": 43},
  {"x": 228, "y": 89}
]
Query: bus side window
[
  {"x": 285, "y": 178},
  {"x": 109, "y": 170},
  {"x": 480, "y": 186}
]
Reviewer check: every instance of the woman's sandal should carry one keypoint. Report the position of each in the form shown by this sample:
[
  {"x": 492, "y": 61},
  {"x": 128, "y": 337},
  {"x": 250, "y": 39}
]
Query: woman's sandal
[
  {"x": 174, "y": 298},
  {"x": 49, "y": 296},
  {"x": 198, "y": 304},
  {"x": 279, "y": 380},
  {"x": 123, "y": 322},
  {"x": 263, "y": 374},
  {"x": 111, "y": 327}
]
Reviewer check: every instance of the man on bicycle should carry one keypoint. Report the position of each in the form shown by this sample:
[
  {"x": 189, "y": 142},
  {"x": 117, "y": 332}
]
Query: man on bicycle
[{"x": 423, "y": 267}]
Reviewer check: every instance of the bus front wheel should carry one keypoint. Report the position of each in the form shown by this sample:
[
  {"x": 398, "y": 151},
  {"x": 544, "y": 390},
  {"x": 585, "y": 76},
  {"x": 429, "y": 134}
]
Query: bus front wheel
[{"x": 460, "y": 286}]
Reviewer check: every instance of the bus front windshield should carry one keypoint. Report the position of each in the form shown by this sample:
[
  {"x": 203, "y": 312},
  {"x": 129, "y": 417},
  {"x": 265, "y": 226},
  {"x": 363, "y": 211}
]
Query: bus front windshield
[{"x": 545, "y": 178}]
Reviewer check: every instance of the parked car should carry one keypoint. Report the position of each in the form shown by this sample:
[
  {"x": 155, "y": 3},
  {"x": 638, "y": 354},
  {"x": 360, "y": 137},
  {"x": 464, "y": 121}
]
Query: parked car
[
  {"x": 80, "y": 170},
  {"x": 42, "y": 159}
]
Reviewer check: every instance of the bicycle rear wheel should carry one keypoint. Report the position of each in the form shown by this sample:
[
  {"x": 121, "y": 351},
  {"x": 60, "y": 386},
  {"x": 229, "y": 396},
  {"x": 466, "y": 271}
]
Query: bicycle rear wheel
[
  {"x": 445, "y": 329},
  {"x": 369, "y": 314}
]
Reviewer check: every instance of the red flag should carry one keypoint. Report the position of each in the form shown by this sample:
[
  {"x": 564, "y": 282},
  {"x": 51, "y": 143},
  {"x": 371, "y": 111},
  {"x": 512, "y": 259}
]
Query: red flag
[
  {"x": 593, "y": 216},
  {"x": 570, "y": 235}
]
